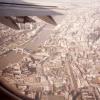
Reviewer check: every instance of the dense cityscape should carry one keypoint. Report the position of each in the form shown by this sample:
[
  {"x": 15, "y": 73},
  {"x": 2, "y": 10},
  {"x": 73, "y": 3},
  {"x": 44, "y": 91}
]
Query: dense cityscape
[{"x": 66, "y": 66}]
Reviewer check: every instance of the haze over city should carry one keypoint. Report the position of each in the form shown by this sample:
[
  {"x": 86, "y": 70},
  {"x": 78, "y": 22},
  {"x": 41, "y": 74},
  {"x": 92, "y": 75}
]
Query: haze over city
[{"x": 55, "y": 56}]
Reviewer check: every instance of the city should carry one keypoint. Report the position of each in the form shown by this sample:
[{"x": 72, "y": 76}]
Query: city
[{"x": 64, "y": 65}]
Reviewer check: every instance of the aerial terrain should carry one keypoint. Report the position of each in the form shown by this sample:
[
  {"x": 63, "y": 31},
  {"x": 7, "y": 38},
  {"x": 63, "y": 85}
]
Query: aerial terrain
[{"x": 60, "y": 62}]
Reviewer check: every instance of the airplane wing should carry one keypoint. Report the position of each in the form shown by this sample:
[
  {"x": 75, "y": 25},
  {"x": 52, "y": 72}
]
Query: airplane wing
[
  {"x": 22, "y": 9},
  {"x": 25, "y": 9}
]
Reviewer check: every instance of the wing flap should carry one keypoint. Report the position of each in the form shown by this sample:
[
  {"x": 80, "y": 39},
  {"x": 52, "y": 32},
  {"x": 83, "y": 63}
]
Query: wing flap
[
  {"x": 8, "y": 21},
  {"x": 48, "y": 19}
]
